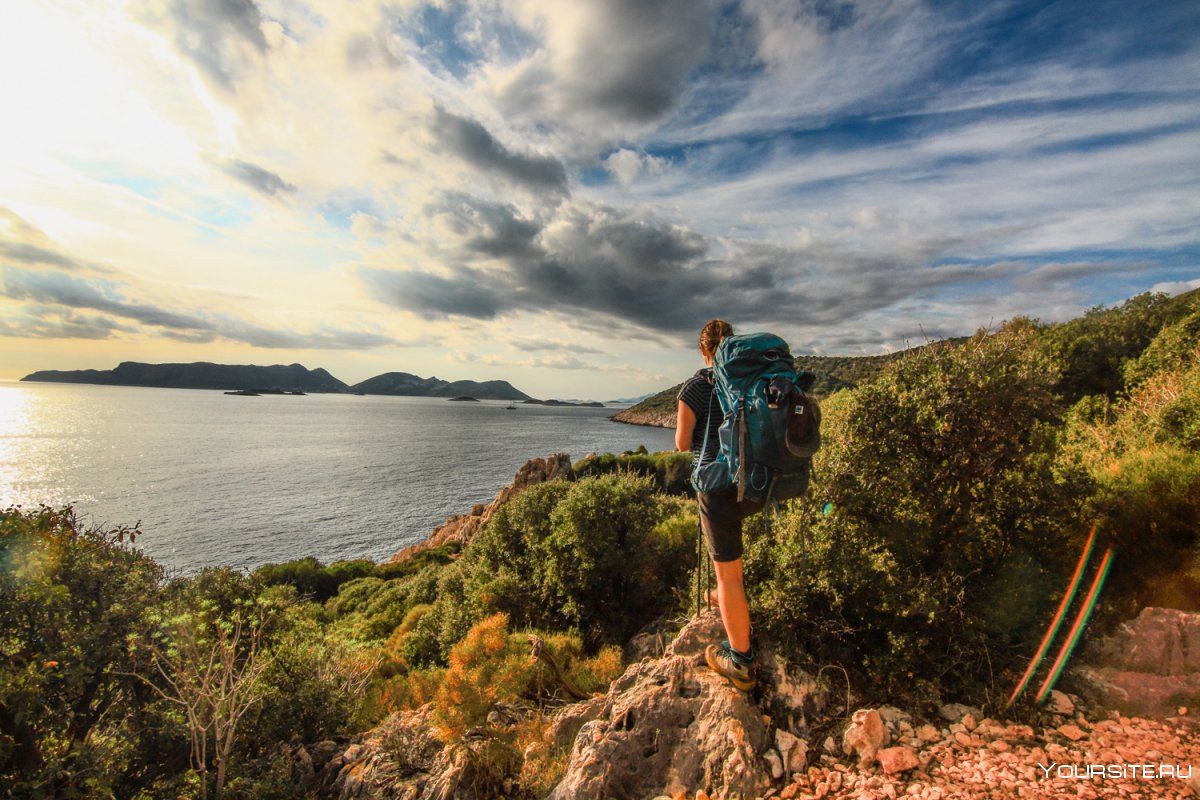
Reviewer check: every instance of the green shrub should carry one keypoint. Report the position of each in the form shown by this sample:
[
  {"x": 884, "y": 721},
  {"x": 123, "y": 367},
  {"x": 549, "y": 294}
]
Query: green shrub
[
  {"x": 945, "y": 498},
  {"x": 315, "y": 684},
  {"x": 73, "y": 719},
  {"x": 1095, "y": 348},
  {"x": 668, "y": 469},
  {"x": 1175, "y": 348},
  {"x": 588, "y": 556},
  {"x": 1143, "y": 452}
]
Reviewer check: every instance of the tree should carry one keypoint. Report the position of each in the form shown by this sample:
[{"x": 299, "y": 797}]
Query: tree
[{"x": 209, "y": 665}]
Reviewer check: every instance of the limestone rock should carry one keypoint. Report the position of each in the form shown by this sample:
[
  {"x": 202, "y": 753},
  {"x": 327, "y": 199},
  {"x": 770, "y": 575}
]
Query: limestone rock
[
  {"x": 864, "y": 736},
  {"x": 401, "y": 759},
  {"x": 898, "y": 759},
  {"x": 670, "y": 725},
  {"x": 571, "y": 718},
  {"x": 793, "y": 749},
  {"x": 1060, "y": 704},
  {"x": 1148, "y": 667},
  {"x": 954, "y": 712}
]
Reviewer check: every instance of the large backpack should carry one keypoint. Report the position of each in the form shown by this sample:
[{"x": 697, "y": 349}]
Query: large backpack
[{"x": 770, "y": 425}]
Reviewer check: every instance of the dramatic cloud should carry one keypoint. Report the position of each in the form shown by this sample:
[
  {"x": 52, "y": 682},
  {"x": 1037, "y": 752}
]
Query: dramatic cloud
[
  {"x": 465, "y": 294},
  {"x": 50, "y": 323},
  {"x": 623, "y": 60},
  {"x": 598, "y": 261},
  {"x": 472, "y": 142},
  {"x": 25, "y": 243}
]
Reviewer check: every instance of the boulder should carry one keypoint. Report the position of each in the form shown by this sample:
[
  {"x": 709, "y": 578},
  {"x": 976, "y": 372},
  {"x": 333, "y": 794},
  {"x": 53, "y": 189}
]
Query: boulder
[
  {"x": 671, "y": 725},
  {"x": 1148, "y": 667},
  {"x": 864, "y": 736}
]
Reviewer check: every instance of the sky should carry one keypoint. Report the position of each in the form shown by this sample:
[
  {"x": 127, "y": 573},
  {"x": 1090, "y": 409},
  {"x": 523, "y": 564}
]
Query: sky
[{"x": 560, "y": 193}]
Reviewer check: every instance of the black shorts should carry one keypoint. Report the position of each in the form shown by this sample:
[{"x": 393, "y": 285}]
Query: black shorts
[{"x": 721, "y": 518}]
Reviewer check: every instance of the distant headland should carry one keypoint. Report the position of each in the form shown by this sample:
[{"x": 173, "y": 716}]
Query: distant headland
[{"x": 276, "y": 379}]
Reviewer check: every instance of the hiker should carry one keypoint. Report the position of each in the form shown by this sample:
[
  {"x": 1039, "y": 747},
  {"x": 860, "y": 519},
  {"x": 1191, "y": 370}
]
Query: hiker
[{"x": 721, "y": 513}]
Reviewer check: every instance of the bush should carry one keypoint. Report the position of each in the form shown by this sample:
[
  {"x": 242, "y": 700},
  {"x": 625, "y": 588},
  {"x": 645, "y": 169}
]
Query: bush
[
  {"x": 589, "y": 556},
  {"x": 1093, "y": 348},
  {"x": 1143, "y": 452},
  {"x": 73, "y": 719},
  {"x": 491, "y": 667},
  {"x": 315, "y": 684},
  {"x": 1175, "y": 348},
  {"x": 668, "y": 469},
  {"x": 946, "y": 501}
]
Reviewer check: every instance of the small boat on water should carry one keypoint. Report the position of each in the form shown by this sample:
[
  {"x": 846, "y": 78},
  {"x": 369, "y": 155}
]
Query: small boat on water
[{"x": 510, "y": 407}]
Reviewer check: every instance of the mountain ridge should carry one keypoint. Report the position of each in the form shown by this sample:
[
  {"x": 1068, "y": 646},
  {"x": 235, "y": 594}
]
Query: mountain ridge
[{"x": 210, "y": 375}]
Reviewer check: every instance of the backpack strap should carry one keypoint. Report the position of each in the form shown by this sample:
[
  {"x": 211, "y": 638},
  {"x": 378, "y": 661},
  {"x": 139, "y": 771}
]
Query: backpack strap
[{"x": 707, "y": 429}]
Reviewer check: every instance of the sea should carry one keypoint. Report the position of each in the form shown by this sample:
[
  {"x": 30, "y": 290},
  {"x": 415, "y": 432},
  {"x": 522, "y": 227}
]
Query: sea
[{"x": 216, "y": 479}]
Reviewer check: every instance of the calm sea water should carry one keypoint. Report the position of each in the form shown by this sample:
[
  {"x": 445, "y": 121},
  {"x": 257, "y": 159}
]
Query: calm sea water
[{"x": 217, "y": 479}]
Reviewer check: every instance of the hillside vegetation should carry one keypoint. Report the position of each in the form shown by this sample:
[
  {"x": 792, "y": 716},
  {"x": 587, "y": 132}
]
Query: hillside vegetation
[
  {"x": 952, "y": 494},
  {"x": 833, "y": 373}
]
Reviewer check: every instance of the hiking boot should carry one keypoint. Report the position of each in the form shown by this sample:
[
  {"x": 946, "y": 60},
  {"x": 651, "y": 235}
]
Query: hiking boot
[{"x": 721, "y": 660}]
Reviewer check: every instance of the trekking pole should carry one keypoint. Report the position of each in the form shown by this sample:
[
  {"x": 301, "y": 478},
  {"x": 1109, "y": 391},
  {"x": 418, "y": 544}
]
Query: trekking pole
[{"x": 699, "y": 556}]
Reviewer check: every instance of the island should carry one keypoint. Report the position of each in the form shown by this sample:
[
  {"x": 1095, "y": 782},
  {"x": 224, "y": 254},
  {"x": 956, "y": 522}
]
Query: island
[
  {"x": 581, "y": 404},
  {"x": 464, "y": 399},
  {"x": 405, "y": 384},
  {"x": 277, "y": 378}
]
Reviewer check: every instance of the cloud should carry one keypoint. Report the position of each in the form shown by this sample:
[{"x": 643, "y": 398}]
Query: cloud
[
  {"x": 608, "y": 61},
  {"x": 632, "y": 266},
  {"x": 467, "y": 293},
  {"x": 258, "y": 178},
  {"x": 628, "y": 165},
  {"x": 223, "y": 38},
  {"x": 24, "y": 242},
  {"x": 59, "y": 294},
  {"x": 50, "y": 323},
  {"x": 484, "y": 227},
  {"x": 472, "y": 142}
]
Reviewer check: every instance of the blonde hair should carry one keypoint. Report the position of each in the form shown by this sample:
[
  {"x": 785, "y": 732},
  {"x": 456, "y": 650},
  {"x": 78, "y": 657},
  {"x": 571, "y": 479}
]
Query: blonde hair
[{"x": 711, "y": 335}]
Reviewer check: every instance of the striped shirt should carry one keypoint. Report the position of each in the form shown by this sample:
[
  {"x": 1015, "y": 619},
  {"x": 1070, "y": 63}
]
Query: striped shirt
[{"x": 698, "y": 395}]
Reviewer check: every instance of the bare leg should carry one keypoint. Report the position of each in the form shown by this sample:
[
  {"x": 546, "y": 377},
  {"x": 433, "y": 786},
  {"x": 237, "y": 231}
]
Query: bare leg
[{"x": 731, "y": 597}]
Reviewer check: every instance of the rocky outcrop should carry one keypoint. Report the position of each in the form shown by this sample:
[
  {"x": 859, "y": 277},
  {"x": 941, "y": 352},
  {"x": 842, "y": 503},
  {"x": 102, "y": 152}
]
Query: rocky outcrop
[
  {"x": 461, "y": 528},
  {"x": 1150, "y": 666},
  {"x": 401, "y": 759},
  {"x": 671, "y": 725}
]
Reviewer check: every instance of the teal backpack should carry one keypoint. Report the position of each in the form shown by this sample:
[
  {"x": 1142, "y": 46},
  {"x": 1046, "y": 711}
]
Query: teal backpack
[{"x": 770, "y": 425}]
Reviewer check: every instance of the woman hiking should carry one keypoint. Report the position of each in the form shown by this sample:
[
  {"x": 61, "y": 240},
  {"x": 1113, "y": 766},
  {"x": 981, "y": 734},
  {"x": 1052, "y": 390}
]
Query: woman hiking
[{"x": 721, "y": 514}]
